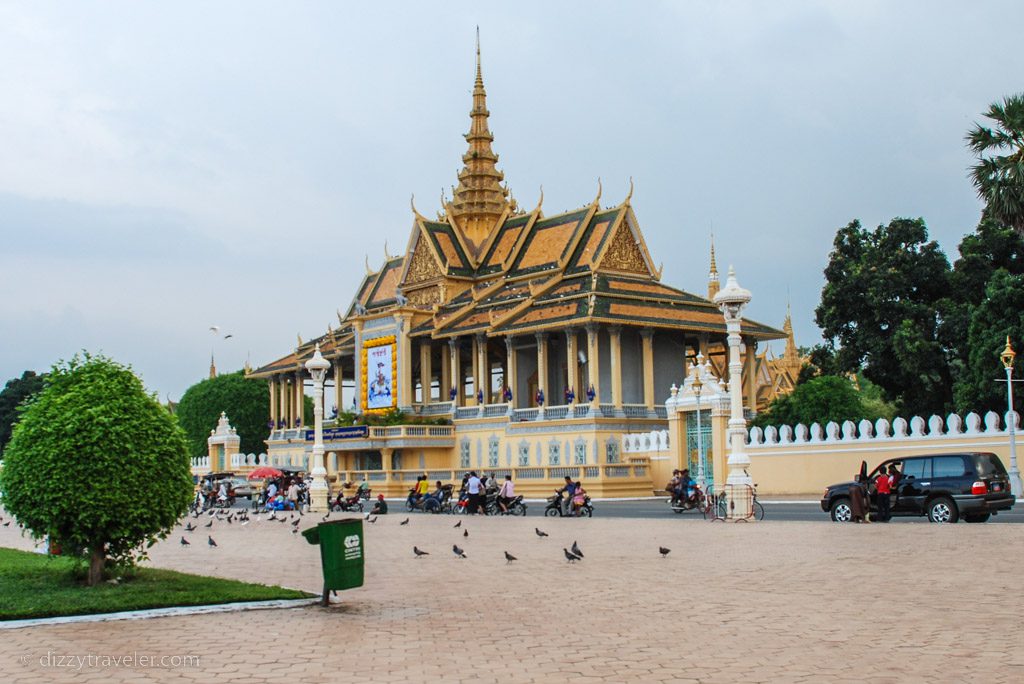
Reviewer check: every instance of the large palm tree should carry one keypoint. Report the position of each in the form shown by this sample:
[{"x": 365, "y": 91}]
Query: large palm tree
[{"x": 999, "y": 174}]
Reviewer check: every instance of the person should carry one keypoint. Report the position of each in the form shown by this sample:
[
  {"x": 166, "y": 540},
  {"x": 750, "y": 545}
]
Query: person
[
  {"x": 272, "y": 490},
  {"x": 673, "y": 486},
  {"x": 858, "y": 501},
  {"x": 381, "y": 507},
  {"x": 579, "y": 497},
  {"x": 293, "y": 494},
  {"x": 414, "y": 492},
  {"x": 568, "y": 489},
  {"x": 438, "y": 491},
  {"x": 222, "y": 492},
  {"x": 364, "y": 488},
  {"x": 506, "y": 494},
  {"x": 894, "y": 481},
  {"x": 687, "y": 487},
  {"x": 474, "y": 488},
  {"x": 883, "y": 487}
]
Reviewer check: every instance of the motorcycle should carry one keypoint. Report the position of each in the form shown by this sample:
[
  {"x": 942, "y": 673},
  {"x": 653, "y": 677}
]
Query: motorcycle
[
  {"x": 696, "y": 502},
  {"x": 554, "y": 507},
  {"x": 515, "y": 506},
  {"x": 344, "y": 504}
]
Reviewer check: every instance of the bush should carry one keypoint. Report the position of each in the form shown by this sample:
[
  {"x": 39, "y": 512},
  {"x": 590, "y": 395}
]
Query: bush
[
  {"x": 97, "y": 464},
  {"x": 819, "y": 400}
]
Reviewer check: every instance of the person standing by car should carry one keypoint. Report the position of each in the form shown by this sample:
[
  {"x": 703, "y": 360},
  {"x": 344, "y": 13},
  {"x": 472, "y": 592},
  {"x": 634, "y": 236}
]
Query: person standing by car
[{"x": 883, "y": 488}]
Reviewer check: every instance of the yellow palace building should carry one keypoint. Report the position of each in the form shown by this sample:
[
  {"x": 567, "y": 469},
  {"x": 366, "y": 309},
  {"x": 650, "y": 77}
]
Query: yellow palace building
[{"x": 512, "y": 342}]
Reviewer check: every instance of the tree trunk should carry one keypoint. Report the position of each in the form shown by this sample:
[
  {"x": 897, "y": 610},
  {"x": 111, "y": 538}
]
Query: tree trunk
[{"x": 97, "y": 559}]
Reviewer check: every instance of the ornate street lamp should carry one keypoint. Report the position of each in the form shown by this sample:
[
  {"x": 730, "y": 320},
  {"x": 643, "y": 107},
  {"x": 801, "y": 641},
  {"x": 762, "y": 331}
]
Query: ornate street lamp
[
  {"x": 318, "y": 491},
  {"x": 731, "y": 300},
  {"x": 1007, "y": 357},
  {"x": 698, "y": 386}
]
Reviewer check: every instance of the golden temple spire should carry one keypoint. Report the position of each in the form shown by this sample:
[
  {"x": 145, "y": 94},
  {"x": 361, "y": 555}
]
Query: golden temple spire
[
  {"x": 792, "y": 353},
  {"x": 479, "y": 200},
  {"x": 213, "y": 367},
  {"x": 714, "y": 284}
]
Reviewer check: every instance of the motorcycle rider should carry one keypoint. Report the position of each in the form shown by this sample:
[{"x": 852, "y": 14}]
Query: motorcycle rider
[
  {"x": 568, "y": 490},
  {"x": 506, "y": 494}
]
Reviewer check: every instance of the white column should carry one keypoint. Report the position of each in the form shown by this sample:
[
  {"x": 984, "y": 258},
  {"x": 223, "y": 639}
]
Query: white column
[
  {"x": 457, "y": 385},
  {"x": 731, "y": 301},
  {"x": 511, "y": 370},
  {"x": 318, "y": 489}
]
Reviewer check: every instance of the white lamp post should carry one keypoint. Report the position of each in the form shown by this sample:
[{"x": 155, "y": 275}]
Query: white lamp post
[
  {"x": 731, "y": 300},
  {"x": 1007, "y": 358},
  {"x": 318, "y": 491},
  {"x": 697, "y": 387}
]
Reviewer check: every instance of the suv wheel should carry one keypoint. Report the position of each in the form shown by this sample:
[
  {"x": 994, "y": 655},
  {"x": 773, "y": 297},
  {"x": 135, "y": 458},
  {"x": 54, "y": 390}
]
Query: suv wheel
[
  {"x": 942, "y": 510},
  {"x": 841, "y": 511}
]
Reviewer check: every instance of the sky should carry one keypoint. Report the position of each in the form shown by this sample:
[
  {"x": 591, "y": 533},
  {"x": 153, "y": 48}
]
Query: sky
[{"x": 167, "y": 167}]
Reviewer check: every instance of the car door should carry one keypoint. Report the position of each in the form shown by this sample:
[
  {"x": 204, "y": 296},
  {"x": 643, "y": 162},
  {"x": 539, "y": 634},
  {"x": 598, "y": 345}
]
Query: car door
[{"x": 914, "y": 484}]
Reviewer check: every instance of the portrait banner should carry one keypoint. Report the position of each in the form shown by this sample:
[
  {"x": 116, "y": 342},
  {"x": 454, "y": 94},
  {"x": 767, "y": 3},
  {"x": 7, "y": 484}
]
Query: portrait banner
[{"x": 379, "y": 366}]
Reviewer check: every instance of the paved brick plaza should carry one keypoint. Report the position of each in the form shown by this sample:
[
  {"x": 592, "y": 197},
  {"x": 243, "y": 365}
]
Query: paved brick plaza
[{"x": 763, "y": 602}]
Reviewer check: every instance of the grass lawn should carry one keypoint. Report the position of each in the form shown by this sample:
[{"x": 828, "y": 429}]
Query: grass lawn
[{"x": 33, "y": 585}]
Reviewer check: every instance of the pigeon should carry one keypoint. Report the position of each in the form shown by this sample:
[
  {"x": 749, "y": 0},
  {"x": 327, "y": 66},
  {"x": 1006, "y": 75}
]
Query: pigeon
[
  {"x": 245, "y": 523},
  {"x": 404, "y": 522},
  {"x": 229, "y": 520},
  {"x": 372, "y": 520},
  {"x": 282, "y": 520},
  {"x": 571, "y": 557},
  {"x": 540, "y": 532},
  {"x": 7, "y": 524},
  {"x": 465, "y": 533},
  {"x": 419, "y": 553},
  {"x": 458, "y": 525},
  {"x": 189, "y": 527},
  {"x": 228, "y": 336},
  {"x": 209, "y": 541},
  {"x": 457, "y": 551},
  {"x": 296, "y": 523},
  {"x": 509, "y": 558},
  {"x": 295, "y": 531},
  {"x": 663, "y": 551},
  {"x": 209, "y": 524},
  {"x": 576, "y": 550},
  {"x": 184, "y": 542}
]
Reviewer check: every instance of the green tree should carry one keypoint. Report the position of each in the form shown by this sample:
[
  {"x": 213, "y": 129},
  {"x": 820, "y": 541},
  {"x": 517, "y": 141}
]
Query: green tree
[
  {"x": 97, "y": 464},
  {"x": 1001, "y": 313},
  {"x": 991, "y": 248},
  {"x": 245, "y": 401},
  {"x": 999, "y": 174},
  {"x": 879, "y": 312},
  {"x": 819, "y": 400},
  {"x": 13, "y": 394}
]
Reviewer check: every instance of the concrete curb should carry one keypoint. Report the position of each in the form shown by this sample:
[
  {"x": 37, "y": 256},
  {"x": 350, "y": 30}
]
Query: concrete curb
[{"x": 173, "y": 611}]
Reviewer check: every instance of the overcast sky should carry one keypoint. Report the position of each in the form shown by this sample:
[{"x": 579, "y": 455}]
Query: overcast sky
[{"x": 165, "y": 167}]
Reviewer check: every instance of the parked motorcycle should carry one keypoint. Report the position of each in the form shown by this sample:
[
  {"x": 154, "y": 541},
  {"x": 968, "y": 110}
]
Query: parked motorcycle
[
  {"x": 349, "y": 504},
  {"x": 515, "y": 507}
]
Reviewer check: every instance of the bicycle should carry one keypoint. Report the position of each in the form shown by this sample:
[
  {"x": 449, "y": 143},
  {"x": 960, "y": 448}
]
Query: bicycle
[{"x": 718, "y": 507}]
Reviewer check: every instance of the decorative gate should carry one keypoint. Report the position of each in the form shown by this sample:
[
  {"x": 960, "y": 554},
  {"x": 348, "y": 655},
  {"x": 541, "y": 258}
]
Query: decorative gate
[{"x": 692, "y": 456}]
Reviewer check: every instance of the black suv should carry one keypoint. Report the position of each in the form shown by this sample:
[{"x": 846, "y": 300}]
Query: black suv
[{"x": 941, "y": 486}]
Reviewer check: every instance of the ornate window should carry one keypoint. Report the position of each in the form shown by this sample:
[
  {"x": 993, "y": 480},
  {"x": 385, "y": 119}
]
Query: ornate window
[
  {"x": 464, "y": 454},
  {"x": 492, "y": 452},
  {"x": 580, "y": 453},
  {"x": 612, "y": 451},
  {"x": 554, "y": 453},
  {"x": 524, "y": 454}
]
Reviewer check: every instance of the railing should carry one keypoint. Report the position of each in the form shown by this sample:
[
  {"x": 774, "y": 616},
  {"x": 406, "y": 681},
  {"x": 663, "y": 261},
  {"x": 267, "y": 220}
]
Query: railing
[
  {"x": 608, "y": 410},
  {"x": 519, "y": 415},
  {"x": 554, "y": 474},
  {"x": 493, "y": 410},
  {"x": 400, "y": 431},
  {"x": 556, "y": 412},
  {"x": 437, "y": 409},
  {"x": 661, "y": 412},
  {"x": 635, "y": 410},
  {"x": 464, "y": 412},
  {"x": 581, "y": 410}
]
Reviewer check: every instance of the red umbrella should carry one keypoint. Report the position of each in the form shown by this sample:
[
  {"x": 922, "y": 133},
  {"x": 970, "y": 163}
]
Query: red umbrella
[{"x": 264, "y": 472}]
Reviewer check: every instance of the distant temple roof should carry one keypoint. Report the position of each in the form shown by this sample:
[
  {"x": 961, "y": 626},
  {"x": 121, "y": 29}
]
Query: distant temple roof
[{"x": 485, "y": 266}]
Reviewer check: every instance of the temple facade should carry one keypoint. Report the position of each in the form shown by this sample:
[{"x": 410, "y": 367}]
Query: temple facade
[{"x": 511, "y": 342}]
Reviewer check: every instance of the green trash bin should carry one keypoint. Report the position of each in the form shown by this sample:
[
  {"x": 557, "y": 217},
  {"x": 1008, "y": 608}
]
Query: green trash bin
[{"x": 341, "y": 553}]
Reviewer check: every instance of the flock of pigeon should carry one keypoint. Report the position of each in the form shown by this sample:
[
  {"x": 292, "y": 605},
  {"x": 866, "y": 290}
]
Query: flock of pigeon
[{"x": 572, "y": 555}]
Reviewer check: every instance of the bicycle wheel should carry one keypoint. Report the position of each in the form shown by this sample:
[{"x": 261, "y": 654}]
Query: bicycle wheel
[{"x": 757, "y": 510}]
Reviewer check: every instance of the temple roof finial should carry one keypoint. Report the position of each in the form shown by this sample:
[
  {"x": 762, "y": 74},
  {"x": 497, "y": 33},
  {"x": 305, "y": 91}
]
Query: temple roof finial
[
  {"x": 479, "y": 200},
  {"x": 714, "y": 284}
]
